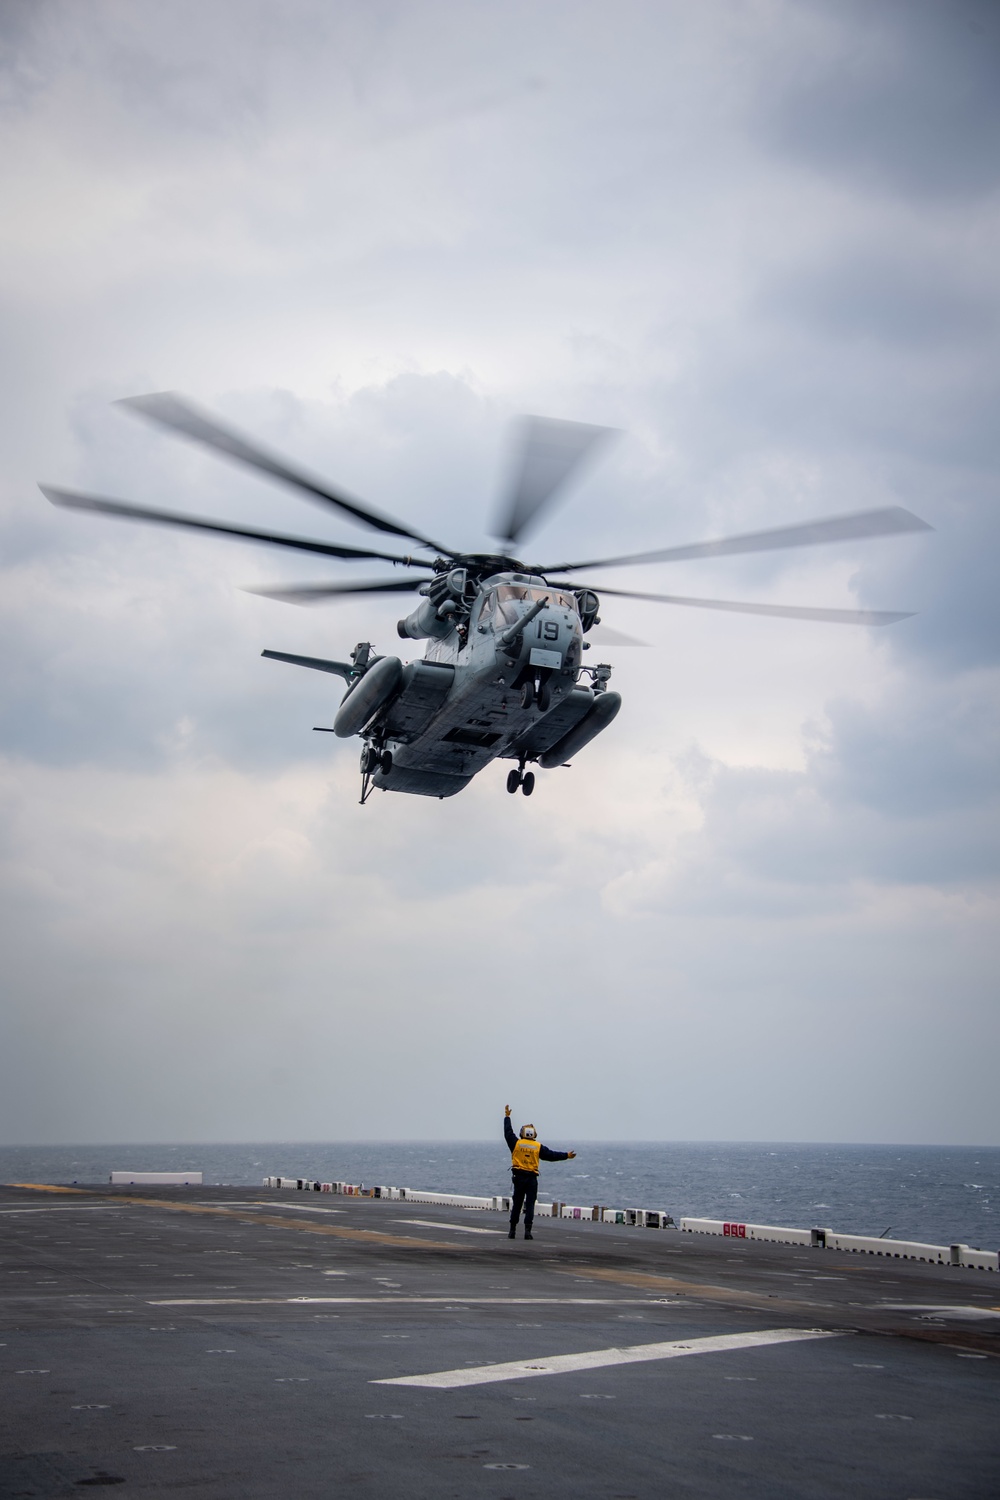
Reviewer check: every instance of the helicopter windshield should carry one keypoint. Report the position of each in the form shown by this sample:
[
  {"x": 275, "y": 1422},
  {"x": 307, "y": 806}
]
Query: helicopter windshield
[{"x": 507, "y": 593}]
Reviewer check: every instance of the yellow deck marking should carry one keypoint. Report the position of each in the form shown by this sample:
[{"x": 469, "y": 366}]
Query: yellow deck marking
[
  {"x": 304, "y": 1226},
  {"x": 44, "y": 1187},
  {"x": 711, "y": 1293}
]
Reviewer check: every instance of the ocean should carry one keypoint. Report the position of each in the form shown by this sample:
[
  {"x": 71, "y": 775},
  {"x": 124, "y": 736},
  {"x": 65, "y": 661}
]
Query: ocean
[{"x": 939, "y": 1194}]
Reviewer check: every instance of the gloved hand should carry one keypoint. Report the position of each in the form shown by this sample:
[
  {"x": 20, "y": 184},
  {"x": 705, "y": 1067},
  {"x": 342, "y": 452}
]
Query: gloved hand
[
  {"x": 570, "y": 1155},
  {"x": 506, "y": 1109}
]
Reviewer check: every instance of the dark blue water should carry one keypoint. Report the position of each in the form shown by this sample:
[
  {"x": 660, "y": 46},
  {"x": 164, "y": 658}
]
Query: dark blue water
[{"x": 939, "y": 1194}]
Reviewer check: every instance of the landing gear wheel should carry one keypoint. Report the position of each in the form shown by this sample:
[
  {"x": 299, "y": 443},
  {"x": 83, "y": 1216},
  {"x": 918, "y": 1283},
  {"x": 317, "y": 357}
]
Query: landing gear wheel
[
  {"x": 369, "y": 760},
  {"x": 513, "y": 781},
  {"x": 385, "y": 762},
  {"x": 528, "y": 783},
  {"x": 544, "y": 697},
  {"x": 527, "y": 695}
]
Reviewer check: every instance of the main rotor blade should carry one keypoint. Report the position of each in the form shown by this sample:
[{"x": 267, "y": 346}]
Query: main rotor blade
[
  {"x": 316, "y": 593},
  {"x": 891, "y": 521},
  {"x": 173, "y": 411},
  {"x": 74, "y": 500},
  {"x": 546, "y": 454},
  {"x": 779, "y": 611},
  {"x": 606, "y": 635}
]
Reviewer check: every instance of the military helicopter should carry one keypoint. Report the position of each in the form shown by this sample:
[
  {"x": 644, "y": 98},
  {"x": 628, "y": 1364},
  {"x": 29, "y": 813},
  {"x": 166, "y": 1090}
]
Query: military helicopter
[{"x": 503, "y": 675}]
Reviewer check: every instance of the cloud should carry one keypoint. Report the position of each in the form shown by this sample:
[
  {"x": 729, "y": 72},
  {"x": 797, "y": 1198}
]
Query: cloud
[
  {"x": 870, "y": 300},
  {"x": 760, "y": 241},
  {"x": 900, "y": 98}
]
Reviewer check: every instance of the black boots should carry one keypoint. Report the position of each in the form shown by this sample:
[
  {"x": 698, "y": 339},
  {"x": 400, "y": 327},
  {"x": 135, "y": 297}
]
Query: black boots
[
  {"x": 513, "y": 1232},
  {"x": 527, "y": 1232}
]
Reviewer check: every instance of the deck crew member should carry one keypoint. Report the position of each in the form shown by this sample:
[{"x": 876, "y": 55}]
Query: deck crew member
[{"x": 526, "y": 1152}]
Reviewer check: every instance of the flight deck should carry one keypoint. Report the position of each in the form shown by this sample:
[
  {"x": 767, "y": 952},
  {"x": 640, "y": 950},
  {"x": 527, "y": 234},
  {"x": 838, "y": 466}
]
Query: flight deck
[{"x": 242, "y": 1342}]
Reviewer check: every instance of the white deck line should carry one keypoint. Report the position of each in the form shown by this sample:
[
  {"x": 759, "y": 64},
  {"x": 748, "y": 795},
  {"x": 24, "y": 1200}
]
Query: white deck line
[
  {"x": 298, "y": 1208},
  {"x": 69, "y": 1208},
  {"x": 942, "y": 1309},
  {"x": 394, "y": 1300},
  {"x": 599, "y": 1359},
  {"x": 441, "y": 1224}
]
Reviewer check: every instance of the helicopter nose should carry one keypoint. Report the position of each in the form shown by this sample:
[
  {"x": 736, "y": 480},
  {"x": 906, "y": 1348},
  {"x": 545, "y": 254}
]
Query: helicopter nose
[{"x": 549, "y": 645}]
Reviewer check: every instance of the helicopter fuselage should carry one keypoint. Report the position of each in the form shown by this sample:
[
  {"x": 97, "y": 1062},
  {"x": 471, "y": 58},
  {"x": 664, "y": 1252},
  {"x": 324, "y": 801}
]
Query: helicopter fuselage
[{"x": 501, "y": 678}]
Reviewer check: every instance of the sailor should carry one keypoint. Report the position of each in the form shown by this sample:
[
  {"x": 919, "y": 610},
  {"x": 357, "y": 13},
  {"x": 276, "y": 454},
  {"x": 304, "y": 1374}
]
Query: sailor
[{"x": 526, "y": 1152}]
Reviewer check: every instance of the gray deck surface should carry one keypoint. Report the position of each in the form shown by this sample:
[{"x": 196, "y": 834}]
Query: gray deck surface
[{"x": 224, "y": 1342}]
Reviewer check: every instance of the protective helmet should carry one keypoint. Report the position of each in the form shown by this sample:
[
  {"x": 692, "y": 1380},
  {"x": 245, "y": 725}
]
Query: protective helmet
[{"x": 528, "y": 1133}]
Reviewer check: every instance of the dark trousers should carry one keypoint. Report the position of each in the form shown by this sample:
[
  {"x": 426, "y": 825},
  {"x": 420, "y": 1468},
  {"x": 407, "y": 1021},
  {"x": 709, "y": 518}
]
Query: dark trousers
[{"x": 525, "y": 1193}]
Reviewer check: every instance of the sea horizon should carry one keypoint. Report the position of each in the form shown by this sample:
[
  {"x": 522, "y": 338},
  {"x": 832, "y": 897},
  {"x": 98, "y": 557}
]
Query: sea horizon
[{"x": 939, "y": 1194}]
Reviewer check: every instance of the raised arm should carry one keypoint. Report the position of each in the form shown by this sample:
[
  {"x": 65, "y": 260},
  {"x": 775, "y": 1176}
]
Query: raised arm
[{"x": 508, "y": 1129}]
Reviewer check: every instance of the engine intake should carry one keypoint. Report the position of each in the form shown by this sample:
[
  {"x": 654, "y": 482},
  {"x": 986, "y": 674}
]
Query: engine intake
[{"x": 446, "y": 597}]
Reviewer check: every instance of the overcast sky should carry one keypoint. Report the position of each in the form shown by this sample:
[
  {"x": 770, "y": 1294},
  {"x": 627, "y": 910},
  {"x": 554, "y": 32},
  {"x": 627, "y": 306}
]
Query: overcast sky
[{"x": 759, "y": 237}]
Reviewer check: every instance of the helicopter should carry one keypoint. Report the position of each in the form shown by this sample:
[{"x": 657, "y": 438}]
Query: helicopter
[{"x": 503, "y": 674}]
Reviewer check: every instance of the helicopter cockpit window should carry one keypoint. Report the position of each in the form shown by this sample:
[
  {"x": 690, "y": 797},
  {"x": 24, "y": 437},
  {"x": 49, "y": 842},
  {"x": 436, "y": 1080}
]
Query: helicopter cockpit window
[
  {"x": 507, "y": 593},
  {"x": 486, "y": 608}
]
